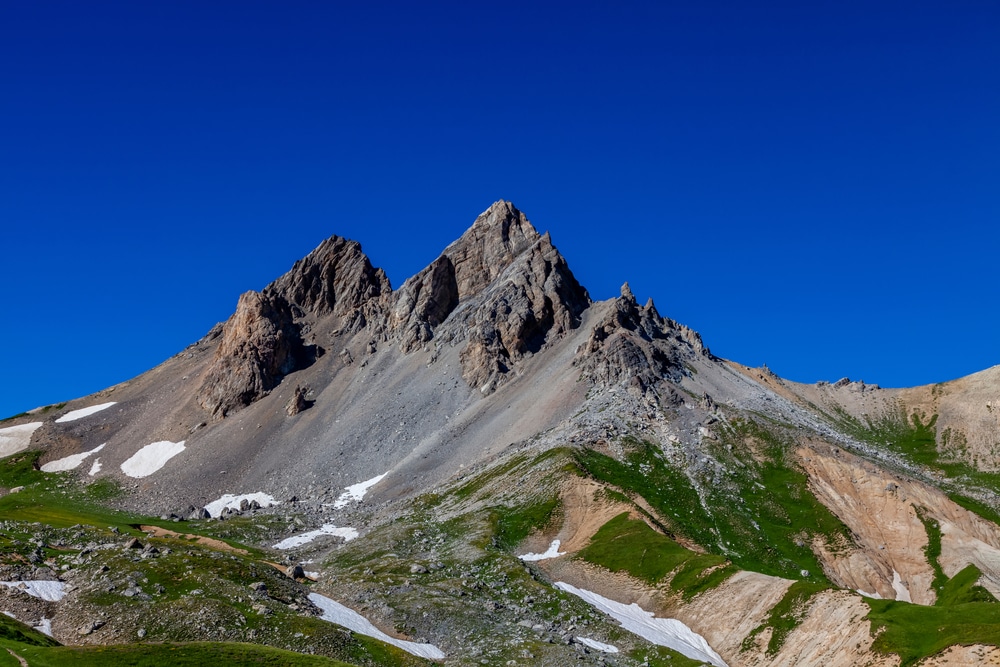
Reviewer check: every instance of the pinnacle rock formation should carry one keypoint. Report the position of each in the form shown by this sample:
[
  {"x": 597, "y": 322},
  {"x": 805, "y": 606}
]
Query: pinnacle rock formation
[{"x": 635, "y": 345}]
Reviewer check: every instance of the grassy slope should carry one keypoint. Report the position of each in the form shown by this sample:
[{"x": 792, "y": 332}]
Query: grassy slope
[
  {"x": 762, "y": 516},
  {"x": 54, "y": 507},
  {"x": 629, "y": 545}
]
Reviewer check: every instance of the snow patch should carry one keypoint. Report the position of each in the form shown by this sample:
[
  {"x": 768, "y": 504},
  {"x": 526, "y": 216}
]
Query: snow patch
[
  {"x": 356, "y": 491},
  {"x": 233, "y": 502},
  {"x": 151, "y": 458},
  {"x": 14, "y": 439},
  {"x": 334, "y": 612},
  {"x": 83, "y": 412},
  {"x": 326, "y": 529},
  {"x": 553, "y": 552},
  {"x": 667, "y": 632},
  {"x": 873, "y": 596},
  {"x": 902, "y": 592},
  {"x": 96, "y": 468},
  {"x": 70, "y": 462},
  {"x": 45, "y": 626},
  {"x": 596, "y": 645},
  {"x": 50, "y": 591}
]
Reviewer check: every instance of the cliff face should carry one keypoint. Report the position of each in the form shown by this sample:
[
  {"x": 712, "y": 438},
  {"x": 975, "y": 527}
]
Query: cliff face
[{"x": 260, "y": 344}]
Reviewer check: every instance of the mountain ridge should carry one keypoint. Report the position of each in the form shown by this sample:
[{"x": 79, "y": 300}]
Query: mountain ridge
[{"x": 489, "y": 389}]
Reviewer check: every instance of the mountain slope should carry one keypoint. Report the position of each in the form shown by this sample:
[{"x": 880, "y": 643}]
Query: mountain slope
[{"x": 489, "y": 407}]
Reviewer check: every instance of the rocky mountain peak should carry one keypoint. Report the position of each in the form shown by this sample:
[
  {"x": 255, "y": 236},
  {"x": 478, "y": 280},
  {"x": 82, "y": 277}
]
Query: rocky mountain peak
[
  {"x": 489, "y": 246},
  {"x": 336, "y": 278},
  {"x": 518, "y": 289}
]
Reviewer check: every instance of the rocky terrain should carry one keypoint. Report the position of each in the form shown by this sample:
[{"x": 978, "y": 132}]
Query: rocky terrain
[{"x": 484, "y": 466}]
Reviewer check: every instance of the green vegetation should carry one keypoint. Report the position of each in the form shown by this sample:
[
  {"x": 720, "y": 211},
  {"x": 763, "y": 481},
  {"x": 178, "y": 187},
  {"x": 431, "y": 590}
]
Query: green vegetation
[
  {"x": 658, "y": 656},
  {"x": 177, "y": 655},
  {"x": 786, "y": 615},
  {"x": 914, "y": 439},
  {"x": 761, "y": 515},
  {"x": 15, "y": 631},
  {"x": 515, "y": 524},
  {"x": 629, "y": 545},
  {"x": 962, "y": 588},
  {"x": 914, "y": 632},
  {"x": 933, "y": 550},
  {"x": 479, "y": 481}
]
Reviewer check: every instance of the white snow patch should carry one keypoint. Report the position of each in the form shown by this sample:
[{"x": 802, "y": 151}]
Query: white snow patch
[
  {"x": 229, "y": 500},
  {"x": 334, "y": 612},
  {"x": 874, "y": 596},
  {"x": 356, "y": 491},
  {"x": 553, "y": 552},
  {"x": 14, "y": 439},
  {"x": 50, "y": 591},
  {"x": 45, "y": 626},
  {"x": 902, "y": 592},
  {"x": 70, "y": 462},
  {"x": 326, "y": 529},
  {"x": 667, "y": 632},
  {"x": 96, "y": 468},
  {"x": 151, "y": 458},
  {"x": 599, "y": 646},
  {"x": 83, "y": 412}
]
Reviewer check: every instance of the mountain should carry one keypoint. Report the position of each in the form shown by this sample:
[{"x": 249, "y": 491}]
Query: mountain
[{"x": 492, "y": 468}]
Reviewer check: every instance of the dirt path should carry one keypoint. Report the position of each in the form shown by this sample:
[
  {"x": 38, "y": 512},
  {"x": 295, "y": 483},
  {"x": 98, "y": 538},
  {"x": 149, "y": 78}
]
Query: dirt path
[
  {"x": 24, "y": 663},
  {"x": 199, "y": 539}
]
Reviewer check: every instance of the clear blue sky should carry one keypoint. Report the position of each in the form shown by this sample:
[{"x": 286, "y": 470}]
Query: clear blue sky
[{"x": 815, "y": 186}]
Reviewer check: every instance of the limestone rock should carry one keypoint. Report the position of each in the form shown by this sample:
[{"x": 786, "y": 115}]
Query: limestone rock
[
  {"x": 260, "y": 345},
  {"x": 635, "y": 346},
  {"x": 535, "y": 298},
  {"x": 425, "y": 301},
  {"x": 298, "y": 402},
  {"x": 334, "y": 279}
]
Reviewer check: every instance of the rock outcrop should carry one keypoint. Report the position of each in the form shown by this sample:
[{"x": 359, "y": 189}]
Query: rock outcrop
[
  {"x": 425, "y": 301},
  {"x": 634, "y": 345},
  {"x": 260, "y": 344},
  {"x": 518, "y": 289},
  {"x": 535, "y": 299},
  {"x": 335, "y": 279}
]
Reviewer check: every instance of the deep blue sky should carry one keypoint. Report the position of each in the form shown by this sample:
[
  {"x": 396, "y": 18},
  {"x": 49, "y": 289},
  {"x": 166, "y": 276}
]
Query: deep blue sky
[{"x": 815, "y": 186}]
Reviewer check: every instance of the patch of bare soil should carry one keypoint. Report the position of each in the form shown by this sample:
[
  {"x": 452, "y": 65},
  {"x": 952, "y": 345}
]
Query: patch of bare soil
[
  {"x": 881, "y": 510},
  {"x": 878, "y": 507},
  {"x": 962, "y": 656},
  {"x": 834, "y": 633},
  {"x": 210, "y": 542}
]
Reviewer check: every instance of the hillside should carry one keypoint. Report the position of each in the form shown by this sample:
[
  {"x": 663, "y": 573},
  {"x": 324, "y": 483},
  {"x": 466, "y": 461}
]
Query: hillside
[{"x": 487, "y": 467}]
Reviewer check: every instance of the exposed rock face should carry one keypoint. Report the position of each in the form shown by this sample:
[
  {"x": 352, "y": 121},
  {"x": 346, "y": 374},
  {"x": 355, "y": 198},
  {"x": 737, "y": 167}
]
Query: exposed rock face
[
  {"x": 496, "y": 238},
  {"x": 425, "y": 301},
  {"x": 636, "y": 346},
  {"x": 260, "y": 345},
  {"x": 519, "y": 289},
  {"x": 536, "y": 298},
  {"x": 263, "y": 340},
  {"x": 334, "y": 279}
]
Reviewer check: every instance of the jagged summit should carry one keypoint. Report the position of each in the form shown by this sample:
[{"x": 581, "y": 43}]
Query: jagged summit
[{"x": 517, "y": 290}]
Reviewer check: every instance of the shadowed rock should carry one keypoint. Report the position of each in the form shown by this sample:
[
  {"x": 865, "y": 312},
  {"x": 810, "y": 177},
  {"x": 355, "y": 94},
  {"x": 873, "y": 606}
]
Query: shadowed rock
[{"x": 260, "y": 345}]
